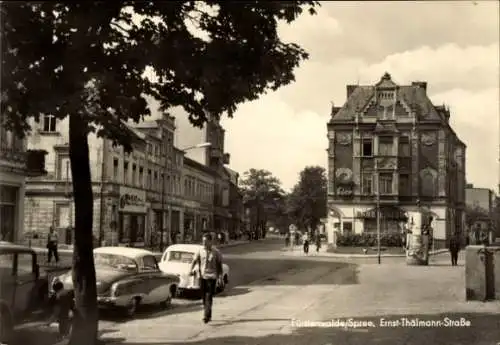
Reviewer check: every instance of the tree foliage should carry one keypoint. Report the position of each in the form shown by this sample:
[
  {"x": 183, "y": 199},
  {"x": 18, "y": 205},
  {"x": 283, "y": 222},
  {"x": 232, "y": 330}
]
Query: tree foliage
[
  {"x": 308, "y": 199},
  {"x": 97, "y": 61},
  {"x": 474, "y": 213},
  {"x": 262, "y": 190}
]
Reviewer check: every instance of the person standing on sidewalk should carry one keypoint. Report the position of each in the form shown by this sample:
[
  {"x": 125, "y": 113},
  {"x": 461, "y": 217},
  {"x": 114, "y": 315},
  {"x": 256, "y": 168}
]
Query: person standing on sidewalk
[
  {"x": 305, "y": 240},
  {"x": 52, "y": 245},
  {"x": 454, "y": 249},
  {"x": 318, "y": 243},
  {"x": 209, "y": 261}
]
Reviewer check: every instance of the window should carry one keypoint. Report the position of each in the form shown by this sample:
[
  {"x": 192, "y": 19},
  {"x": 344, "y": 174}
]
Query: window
[
  {"x": 385, "y": 180},
  {"x": 155, "y": 180},
  {"x": 404, "y": 185},
  {"x": 116, "y": 170},
  {"x": 25, "y": 264},
  {"x": 366, "y": 184},
  {"x": 6, "y": 265},
  {"x": 62, "y": 215},
  {"x": 367, "y": 148},
  {"x": 149, "y": 181},
  {"x": 186, "y": 191},
  {"x": 385, "y": 145},
  {"x": 149, "y": 263},
  {"x": 404, "y": 147},
  {"x": 134, "y": 174},
  {"x": 49, "y": 123},
  {"x": 141, "y": 177},
  {"x": 64, "y": 168},
  {"x": 184, "y": 257},
  {"x": 126, "y": 178},
  {"x": 347, "y": 227}
]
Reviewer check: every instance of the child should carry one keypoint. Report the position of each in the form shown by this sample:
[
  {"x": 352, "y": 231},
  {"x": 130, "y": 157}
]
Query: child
[{"x": 62, "y": 309}]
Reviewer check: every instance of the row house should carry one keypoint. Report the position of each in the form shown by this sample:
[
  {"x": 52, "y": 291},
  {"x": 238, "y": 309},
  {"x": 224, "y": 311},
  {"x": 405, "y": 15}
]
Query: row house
[
  {"x": 16, "y": 163},
  {"x": 389, "y": 144},
  {"x": 139, "y": 197}
]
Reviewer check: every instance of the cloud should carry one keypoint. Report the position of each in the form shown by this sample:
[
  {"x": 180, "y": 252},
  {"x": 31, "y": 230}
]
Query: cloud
[{"x": 267, "y": 134}]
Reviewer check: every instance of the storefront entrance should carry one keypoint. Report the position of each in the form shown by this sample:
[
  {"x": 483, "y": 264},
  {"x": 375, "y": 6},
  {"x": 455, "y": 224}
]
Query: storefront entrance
[
  {"x": 132, "y": 228},
  {"x": 8, "y": 209}
]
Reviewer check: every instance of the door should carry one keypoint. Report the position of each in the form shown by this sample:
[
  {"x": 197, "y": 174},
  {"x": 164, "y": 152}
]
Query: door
[
  {"x": 7, "y": 278},
  {"x": 25, "y": 282}
]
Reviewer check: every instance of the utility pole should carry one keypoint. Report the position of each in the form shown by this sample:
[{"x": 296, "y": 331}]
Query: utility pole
[{"x": 164, "y": 175}]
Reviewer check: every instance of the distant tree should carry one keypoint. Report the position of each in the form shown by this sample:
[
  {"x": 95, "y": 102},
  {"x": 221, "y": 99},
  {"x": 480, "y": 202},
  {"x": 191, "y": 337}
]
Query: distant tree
[
  {"x": 308, "y": 199},
  {"x": 262, "y": 193},
  {"x": 475, "y": 213},
  {"x": 88, "y": 60}
]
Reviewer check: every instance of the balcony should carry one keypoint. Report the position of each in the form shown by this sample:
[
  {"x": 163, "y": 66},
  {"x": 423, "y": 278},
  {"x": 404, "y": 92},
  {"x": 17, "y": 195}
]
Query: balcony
[{"x": 12, "y": 154}]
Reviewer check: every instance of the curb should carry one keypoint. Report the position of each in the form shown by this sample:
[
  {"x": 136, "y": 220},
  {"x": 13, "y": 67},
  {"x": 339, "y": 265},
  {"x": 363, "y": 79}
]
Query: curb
[{"x": 360, "y": 256}]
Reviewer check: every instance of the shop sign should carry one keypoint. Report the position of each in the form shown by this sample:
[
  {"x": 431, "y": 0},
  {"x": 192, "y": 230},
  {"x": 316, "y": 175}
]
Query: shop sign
[
  {"x": 344, "y": 191},
  {"x": 132, "y": 200}
]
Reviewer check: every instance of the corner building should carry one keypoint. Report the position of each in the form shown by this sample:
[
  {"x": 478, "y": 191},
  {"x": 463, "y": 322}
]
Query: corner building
[{"x": 389, "y": 142}]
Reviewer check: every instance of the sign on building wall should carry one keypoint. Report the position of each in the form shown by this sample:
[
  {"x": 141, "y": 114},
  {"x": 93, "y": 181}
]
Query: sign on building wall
[{"x": 132, "y": 200}]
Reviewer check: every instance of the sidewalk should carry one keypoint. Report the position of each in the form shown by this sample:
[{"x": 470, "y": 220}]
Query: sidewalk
[
  {"x": 68, "y": 249},
  {"x": 297, "y": 251}
]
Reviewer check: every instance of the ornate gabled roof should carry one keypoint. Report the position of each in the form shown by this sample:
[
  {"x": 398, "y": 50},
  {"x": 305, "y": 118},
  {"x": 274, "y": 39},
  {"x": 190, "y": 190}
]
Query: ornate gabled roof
[
  {"x": 386, "y": 82},
  {"x": 412, "y": 95},
  {"x": 356, "y": 101}
]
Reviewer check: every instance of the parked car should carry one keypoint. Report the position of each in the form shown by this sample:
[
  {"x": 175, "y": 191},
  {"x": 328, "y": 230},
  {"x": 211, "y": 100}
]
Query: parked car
[
  {"x": 22, "y": 290},
  {"x": 126, "y": 278},
  {"x": 177, "y": 259}
]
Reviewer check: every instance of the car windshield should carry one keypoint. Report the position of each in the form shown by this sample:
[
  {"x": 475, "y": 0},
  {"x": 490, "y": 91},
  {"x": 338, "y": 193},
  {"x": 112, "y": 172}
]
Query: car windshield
[
  {"x": 177, "y": 256},
  {"x": 118, "y": 262}
]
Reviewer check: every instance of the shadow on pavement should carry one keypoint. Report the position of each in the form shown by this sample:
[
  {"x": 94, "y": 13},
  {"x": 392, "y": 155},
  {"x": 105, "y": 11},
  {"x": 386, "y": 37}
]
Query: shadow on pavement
[
  {"x": 44, "y": 336},
  {"x": 235, "y": 291},
  {"x": 483, "y": 330},
  {"x": 150, "y": 312},
  {"x": 269, "y": 271}
]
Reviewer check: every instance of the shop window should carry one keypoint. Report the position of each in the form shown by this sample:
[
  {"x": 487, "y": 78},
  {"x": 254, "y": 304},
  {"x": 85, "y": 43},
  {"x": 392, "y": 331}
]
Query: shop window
[{"x": 347, "y": 227}]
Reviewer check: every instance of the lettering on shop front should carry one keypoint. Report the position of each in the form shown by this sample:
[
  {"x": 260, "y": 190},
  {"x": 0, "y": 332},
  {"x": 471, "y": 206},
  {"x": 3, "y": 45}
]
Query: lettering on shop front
[{"x": 130, "y": 200}]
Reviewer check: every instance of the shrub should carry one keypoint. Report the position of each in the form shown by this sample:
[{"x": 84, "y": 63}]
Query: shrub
[{"x": 368, "y": 239}]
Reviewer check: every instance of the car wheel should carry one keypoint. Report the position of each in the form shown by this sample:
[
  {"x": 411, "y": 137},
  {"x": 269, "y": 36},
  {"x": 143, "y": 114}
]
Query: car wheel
[
  {"x": 131, "y": 309},
  {"x": 6, "y": 326}
]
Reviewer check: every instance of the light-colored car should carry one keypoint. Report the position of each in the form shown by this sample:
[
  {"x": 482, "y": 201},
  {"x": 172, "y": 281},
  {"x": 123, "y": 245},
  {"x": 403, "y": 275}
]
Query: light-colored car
[
  {"x": 126, "y": 278},
  {"x": 177, "y": 260},
  {"x": 22, "y": 290}
]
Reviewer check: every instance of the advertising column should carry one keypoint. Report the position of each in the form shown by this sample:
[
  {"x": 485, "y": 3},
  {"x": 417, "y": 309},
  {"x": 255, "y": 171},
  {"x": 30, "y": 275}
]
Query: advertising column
[{"x": 132, "y": 217}]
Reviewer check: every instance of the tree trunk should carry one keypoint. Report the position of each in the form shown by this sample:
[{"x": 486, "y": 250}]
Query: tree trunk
[{"x": 85, "y": 324}]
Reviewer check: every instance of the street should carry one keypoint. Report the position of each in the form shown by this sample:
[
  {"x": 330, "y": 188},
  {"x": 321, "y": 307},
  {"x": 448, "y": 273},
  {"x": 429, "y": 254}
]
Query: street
[{"x": 273, "y": 295}]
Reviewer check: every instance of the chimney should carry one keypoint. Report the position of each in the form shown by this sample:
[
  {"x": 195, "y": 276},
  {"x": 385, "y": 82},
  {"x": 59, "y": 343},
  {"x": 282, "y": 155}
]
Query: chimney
[
  {"x": 420, "y": 84},
  {"x": 350, "y": 89}
]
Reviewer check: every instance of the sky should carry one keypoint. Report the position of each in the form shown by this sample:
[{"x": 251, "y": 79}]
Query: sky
[{"x": 454, "y": 46}]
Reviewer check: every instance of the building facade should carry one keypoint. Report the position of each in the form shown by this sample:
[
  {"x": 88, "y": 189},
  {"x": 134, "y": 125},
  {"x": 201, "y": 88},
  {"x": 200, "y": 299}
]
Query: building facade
[
  {"x": 151, "y": 196},
  {"x": 484, "y": 201},
  {"x": 389, "y": 145},
  {"x": 12, "y": 185}
]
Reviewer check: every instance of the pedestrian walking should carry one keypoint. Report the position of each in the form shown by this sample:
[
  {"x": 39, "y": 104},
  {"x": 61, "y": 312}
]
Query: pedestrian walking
[
  {"x": 52, "y": 245},
  {"x": 305, "y": 240},
  {"x": 63, "y": 309},
  {"x": 318, "y": 243},
  {"x": 287, "y": 240},
  {"x": 454, "y": 249},
  {"x": 209, "y": 262}
]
